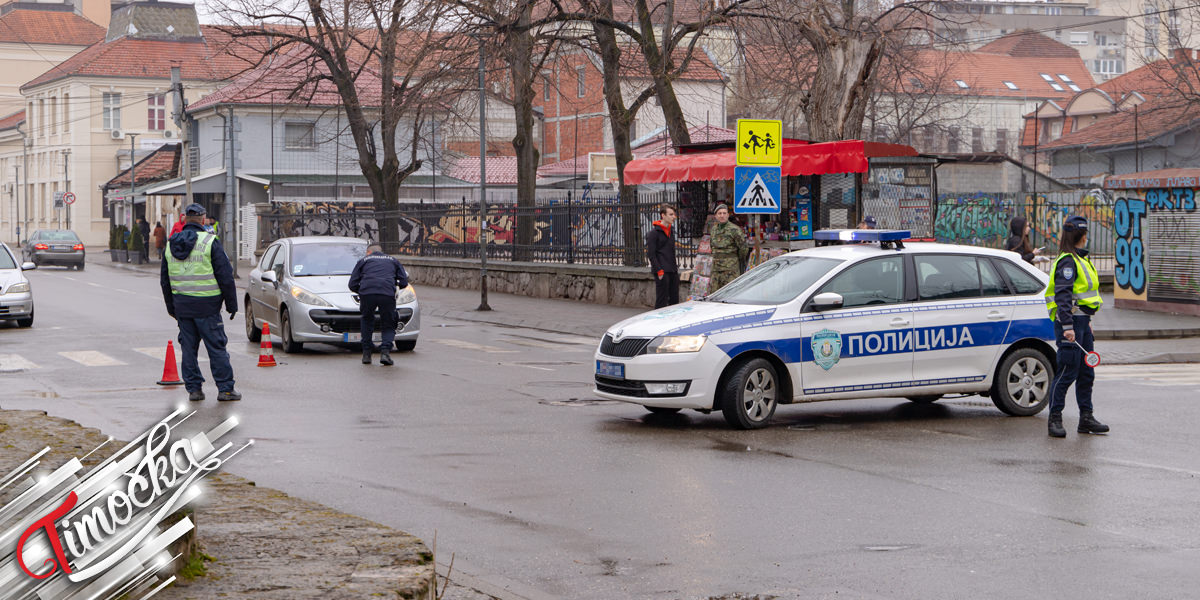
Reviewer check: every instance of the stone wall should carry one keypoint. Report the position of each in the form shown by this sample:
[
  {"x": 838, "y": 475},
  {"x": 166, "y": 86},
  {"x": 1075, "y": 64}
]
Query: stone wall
[{"x": 620, "y": 286}]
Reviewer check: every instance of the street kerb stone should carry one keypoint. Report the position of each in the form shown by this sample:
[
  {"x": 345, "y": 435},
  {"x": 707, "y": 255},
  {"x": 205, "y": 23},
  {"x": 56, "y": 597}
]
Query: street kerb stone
[{"x": 264, "y": 543}]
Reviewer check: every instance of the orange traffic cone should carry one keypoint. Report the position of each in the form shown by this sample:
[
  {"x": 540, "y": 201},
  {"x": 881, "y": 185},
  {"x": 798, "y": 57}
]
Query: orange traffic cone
[
  {"x": 266, "y": 352},
  {"x": 170, "y": 374}
]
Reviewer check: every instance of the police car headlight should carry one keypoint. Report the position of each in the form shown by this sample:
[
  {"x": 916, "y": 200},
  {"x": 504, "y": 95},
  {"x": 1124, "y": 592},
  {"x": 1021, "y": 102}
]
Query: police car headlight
[
  {"x": 670, "y": 344},
  {"x": 308, "y": 297},
  {"x": 407, "y": 295},
  {"x": 17, "y": 288}
]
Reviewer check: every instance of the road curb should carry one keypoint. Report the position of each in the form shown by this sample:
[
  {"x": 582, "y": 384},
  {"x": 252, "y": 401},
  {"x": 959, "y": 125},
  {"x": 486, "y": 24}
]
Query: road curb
[
  {"x": 499, "y": 318},
  {"x": 1145, "y": 334}
]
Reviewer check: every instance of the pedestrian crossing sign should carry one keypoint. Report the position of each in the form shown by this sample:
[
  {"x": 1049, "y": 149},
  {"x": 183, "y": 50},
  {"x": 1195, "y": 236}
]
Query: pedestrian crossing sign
[
  {"x": 759, "y": 143},
  {"x": 756, "y": 190}
]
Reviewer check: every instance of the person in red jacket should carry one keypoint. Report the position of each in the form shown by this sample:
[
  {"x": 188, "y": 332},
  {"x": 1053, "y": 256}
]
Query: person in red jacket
[
  {"x": 660, "y": 248},
  {"x": 178, "y": 226}
]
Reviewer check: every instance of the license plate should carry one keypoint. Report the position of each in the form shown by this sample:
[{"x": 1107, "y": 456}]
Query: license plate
[
  {"x": 60, "y": 247},
  {"x": 357, "y": 337},
  {"x": 610, "y": 369}
]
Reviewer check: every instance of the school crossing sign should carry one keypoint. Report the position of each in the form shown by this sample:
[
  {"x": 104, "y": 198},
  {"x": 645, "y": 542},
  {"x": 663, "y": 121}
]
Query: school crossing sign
[
  {"x": 758, "y": 174},
  {"x": 756, "y": 190}
]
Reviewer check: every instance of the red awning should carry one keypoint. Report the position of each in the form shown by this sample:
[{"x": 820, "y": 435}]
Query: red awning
[{"x": 848, "y": 156}]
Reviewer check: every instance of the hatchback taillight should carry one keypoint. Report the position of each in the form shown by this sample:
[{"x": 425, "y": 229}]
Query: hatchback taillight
[
  {"x": 77, "y": 247},
  {"x": 41, "y": 247}
]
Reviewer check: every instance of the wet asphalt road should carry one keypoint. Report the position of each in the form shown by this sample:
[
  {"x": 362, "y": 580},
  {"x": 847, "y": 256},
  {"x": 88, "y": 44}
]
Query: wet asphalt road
[{"x": 490, "y": 436}]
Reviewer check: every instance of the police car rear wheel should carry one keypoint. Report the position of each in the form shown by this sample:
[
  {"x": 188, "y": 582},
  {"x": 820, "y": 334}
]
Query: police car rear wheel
[
  {"x": 1022, "y": 385},
  {"x": 750, "y": 394}
]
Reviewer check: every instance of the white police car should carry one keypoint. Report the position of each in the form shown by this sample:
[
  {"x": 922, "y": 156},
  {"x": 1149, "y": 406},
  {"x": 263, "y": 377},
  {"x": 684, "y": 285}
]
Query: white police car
[{"x": 855, "y": 320}]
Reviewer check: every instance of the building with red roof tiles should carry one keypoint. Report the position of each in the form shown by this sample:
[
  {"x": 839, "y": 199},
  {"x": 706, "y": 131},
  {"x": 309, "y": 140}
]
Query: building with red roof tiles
[
  {"x": 34, "y": 36},
  {"x": 1136, "y": 122},
  {"x": 89, "y": 114}
]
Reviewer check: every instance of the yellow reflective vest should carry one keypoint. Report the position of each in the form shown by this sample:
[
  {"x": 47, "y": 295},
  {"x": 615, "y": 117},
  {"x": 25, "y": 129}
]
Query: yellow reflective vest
[
  {"x": 1085, "y": 291},
  {"x": 193, "y": 276}
]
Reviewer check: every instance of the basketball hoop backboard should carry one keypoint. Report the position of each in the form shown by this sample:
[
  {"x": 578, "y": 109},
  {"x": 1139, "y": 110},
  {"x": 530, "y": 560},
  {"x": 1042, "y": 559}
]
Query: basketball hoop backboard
[{"x": 602, "y": 167}]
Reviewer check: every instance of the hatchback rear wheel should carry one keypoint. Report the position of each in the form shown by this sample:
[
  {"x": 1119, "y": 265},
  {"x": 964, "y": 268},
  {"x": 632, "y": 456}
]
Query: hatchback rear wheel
[
  {"x": 1022, "y": 384},
  {"x": 750, "y": 394}
]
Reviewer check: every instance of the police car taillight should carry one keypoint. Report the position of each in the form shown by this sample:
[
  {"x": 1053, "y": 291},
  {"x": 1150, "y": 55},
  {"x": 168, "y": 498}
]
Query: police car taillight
[{"x": 884, "y": 237}]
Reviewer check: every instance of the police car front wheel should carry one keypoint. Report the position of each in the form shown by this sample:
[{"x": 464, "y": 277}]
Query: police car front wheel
[
  {"x": 750, "y": 394},
  {"x": 1022, "y": 384}
]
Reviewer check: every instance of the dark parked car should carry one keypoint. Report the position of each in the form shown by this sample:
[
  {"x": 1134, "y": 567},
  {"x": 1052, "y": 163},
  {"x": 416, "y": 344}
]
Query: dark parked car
[{"x": 55, "y": 247}]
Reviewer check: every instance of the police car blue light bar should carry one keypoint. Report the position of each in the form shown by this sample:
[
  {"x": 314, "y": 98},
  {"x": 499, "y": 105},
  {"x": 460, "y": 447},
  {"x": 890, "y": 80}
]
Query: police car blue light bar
[{"x": 861, "y": 235}]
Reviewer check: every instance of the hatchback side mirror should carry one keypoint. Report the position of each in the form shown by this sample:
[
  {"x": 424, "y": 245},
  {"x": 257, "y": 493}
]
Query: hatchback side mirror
[
  {"x": 826, "y": 301},
  {"x": 268, "y": 276},
  {"x": 28, "y": 266}
]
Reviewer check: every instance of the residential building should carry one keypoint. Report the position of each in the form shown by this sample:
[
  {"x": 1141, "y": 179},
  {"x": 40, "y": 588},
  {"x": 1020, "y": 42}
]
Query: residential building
[
  {"x": 959, "y": 102},
  {"x": 35, "y": 36},
  {"x": 1137, "y": 122},
  {"x": 88, "y": 115}
]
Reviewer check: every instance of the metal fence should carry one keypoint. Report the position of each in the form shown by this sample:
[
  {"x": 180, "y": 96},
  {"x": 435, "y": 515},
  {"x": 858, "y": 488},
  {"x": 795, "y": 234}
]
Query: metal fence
[
  {"x": 598, "y": 231},
  {"x": 982, "y": 219}
]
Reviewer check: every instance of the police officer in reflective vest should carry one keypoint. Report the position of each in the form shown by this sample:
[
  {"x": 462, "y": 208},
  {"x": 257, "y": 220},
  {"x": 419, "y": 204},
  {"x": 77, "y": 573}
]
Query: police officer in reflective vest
[
  {"x": 375, "y": 278},
  {"x": 196, "y": 279},
  {"x": 1072, "y": 297}
]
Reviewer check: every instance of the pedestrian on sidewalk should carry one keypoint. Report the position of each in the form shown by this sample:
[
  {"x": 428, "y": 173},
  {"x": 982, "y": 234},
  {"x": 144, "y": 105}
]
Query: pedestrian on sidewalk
[
  {"x": 1072, "y": 297},
  {"x": 1019, "y": 241},
  {"x": 660, "y": 248},
  {"x": 144, "y": 231},
  {"x": 160, "y": 239},
  {"x": 375, "y": 279},
  {"x": 196, "y": 279},
  {"x": 178, "y": 226},
  {"x": 729, "y": 249}
]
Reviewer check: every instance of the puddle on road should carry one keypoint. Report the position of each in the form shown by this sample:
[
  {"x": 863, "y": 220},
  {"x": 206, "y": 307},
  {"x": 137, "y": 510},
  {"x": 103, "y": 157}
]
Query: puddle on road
[{"x": 579, "y": 402}]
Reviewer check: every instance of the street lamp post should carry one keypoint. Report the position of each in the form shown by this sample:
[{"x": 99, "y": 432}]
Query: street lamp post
[
  {"x": 483, "y": 277},
  {"x": 132, "y": 178}
]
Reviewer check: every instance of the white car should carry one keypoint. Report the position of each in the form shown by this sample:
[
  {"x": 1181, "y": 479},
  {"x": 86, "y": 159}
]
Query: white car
[
  {"x": 856, "y": 320},
  {"x": 16, "y": 295}
]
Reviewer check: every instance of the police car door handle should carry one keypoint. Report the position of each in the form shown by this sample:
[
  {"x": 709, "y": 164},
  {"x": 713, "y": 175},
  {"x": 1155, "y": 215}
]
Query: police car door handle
[
  {"x": 995, "y": 315},
  {"x": 900, "y": 322}
]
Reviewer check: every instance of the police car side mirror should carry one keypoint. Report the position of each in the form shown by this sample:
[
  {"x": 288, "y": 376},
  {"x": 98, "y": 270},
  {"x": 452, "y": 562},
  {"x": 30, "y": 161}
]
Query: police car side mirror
[
  {"x": 268, "y": 276},
  {"x": 826, "y": 301}
]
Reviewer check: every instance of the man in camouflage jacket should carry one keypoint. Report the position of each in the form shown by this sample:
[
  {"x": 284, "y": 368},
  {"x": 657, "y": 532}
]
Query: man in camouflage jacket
[{"x": 729, "y": 249}]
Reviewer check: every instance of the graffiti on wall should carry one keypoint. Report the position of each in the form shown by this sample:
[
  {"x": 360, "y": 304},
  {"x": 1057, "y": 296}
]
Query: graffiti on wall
[
  {"x": 982, "y": 219},
  {"x": 1156, "y": 233}
]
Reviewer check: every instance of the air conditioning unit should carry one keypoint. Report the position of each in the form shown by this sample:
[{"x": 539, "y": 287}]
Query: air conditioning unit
[
  {"x": 170, "y": 134},
  {"x": 117, "y": 134}
]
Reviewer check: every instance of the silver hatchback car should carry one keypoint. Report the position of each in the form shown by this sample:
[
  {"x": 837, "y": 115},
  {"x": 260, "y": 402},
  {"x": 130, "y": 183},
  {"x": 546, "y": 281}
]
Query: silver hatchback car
[{"x": 301, "y": 288}]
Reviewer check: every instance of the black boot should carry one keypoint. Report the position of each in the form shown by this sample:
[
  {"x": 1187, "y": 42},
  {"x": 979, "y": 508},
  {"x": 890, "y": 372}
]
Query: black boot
[
  {"x": 385, "y": 358},
  {"x": 1089, "y": 424},
  {"x": 1055, "y": 426},
  {"x": 366, "y": 354}
]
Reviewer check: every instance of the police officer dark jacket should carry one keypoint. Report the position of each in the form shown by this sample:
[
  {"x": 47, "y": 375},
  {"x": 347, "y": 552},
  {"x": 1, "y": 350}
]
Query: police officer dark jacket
[
  {"x": 181, "y": 245},
  {"x": 378, "y": 273}
]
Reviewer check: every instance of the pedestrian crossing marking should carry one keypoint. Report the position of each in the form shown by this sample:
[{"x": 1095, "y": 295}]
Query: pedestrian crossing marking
[
  {"x": 159, "y": 353},
  {"x": 15, "y": 362},
  {"x": 473, "y": 346},
  {"x": 91, "y": 358},
  {"x": 1157, "y": 375}
]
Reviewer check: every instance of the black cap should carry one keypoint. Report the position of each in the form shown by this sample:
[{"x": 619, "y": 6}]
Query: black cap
[
  {"x": 1075, "y": 222},
  {"x": 194, "y": 210},
  {"x": 870, "y": 221}
]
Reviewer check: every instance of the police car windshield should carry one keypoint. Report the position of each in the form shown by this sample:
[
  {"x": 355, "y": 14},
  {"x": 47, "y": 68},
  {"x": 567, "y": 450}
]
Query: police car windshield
[
  {"x": 776, "y": 281},
  {"x": 325, "y": 259}
]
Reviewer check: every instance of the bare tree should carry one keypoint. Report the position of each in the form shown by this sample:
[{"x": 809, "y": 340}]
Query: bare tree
[
  {"x": 833, "y": 74},
  {"x": 915, "y": 94},
  {"x": 389, "y": 61}
]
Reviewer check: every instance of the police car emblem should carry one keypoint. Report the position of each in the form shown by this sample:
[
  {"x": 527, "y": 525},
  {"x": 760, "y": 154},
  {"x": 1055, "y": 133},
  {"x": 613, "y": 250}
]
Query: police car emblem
[
  {"x": 618, "y": 335},
  {"x": 1068, "y": 272},
  {"x": 827, "y": 348}
]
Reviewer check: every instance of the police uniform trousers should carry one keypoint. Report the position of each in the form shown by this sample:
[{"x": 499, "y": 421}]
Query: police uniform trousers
[
  {"x": 1071, "y": 368},
  {"x": 386, "y": 304},
  {"x": 210, "y": 330}
]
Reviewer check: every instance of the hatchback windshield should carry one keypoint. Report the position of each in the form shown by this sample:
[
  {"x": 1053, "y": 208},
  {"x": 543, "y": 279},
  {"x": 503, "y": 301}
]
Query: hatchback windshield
[
  {"x": 776, "y": 281},
  {"x": 6, "y": 260},
  {"x": 325, "y": 259}
]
